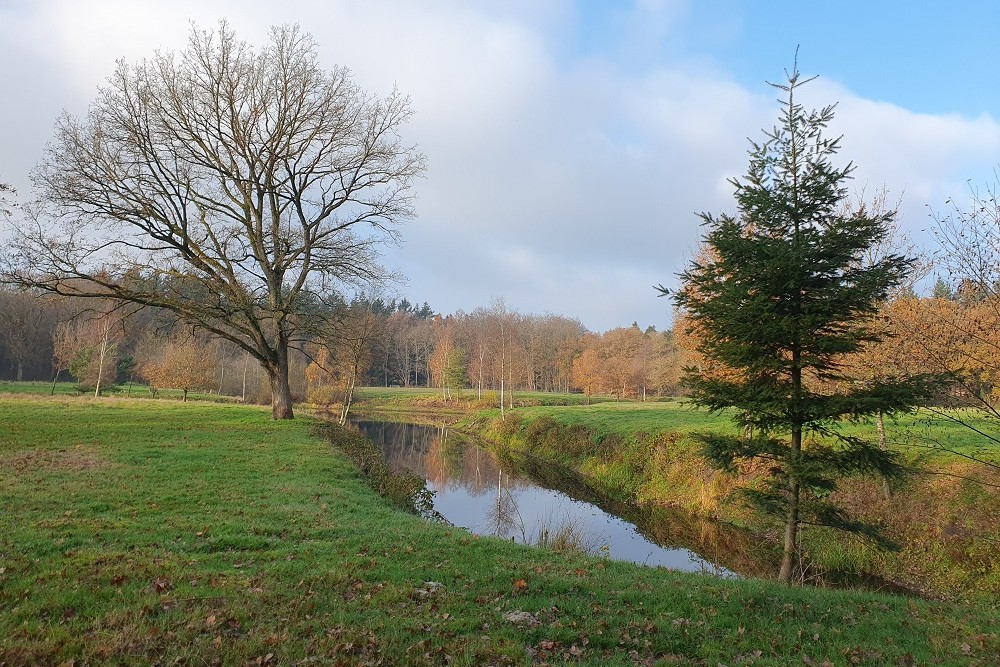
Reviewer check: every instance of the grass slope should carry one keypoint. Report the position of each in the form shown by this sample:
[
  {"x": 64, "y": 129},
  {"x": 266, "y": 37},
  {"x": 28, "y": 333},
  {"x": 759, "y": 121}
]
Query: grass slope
[
  {"x": 945, "y": 515},
  {"x": 142, "y": 532}
]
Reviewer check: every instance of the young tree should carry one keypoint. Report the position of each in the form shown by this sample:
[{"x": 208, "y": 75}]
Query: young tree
[
  {"x": 454, "y": 372},
  {"x": 182, "y": 361},
  {"x": 783, "y": 294},
  {"x": 88, "y": 344},
  {"x": 344, "y": 350},
  {"x": 588, "y": 370},
  {"x": 224, "y": 183}
]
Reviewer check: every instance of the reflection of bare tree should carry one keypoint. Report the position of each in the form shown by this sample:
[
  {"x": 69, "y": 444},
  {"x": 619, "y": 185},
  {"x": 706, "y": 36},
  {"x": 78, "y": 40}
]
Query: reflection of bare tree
[
  {"x": 504, "y": 518},
  {"x": 479, "y": 468},
  {"x": 436, "y": 461}
]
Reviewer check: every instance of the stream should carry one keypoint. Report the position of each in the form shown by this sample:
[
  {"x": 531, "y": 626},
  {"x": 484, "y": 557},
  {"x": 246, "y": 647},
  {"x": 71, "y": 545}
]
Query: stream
[{"x": 537, "y": 503}]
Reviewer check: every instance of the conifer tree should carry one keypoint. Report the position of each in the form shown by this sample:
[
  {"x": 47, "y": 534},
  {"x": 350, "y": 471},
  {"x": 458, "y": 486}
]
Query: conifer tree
[{"x": 783, "y": 292}]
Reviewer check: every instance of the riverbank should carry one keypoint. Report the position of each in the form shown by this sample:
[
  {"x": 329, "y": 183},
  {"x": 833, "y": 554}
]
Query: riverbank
[
  {"x": 142, "y": 532},
  {"x": 944, "y": 516}
]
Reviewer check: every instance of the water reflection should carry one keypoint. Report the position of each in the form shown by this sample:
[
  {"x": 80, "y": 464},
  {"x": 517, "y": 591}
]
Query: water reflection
[{"x": 535, "y": 503}]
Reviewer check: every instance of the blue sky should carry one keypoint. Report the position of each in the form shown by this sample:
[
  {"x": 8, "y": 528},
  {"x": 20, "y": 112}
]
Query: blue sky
[
  {"x": 570, "y": 143},
  {"x": 926, "y": 56}
]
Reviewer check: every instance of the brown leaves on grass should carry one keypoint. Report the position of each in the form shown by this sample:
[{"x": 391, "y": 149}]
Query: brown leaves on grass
[
  {"x": 547, "y": 650},
  {"x": 162, "y": 585},
  {"x": 80, "y": 458}
]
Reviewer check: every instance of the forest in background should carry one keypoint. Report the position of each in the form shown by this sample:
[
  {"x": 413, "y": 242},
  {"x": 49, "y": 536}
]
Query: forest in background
[{"x": 394, "y": 342}]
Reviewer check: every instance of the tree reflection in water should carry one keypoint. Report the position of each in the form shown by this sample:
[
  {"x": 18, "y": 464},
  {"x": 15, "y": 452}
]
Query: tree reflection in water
[
  {"x": 532, "y": 502},
  {"x": 504, "y": 517}
]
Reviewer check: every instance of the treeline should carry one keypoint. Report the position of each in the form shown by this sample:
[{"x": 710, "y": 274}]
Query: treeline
[
  {"x": 367, "y": 341},
  {"x": 492, "y": 350}
]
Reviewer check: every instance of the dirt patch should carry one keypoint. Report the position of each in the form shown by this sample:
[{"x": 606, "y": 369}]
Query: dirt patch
[{"x": 75, "y": 459}]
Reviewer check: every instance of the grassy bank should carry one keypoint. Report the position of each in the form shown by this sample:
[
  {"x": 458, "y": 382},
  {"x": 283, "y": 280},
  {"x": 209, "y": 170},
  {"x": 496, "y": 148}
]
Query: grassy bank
[
  {"x": 154, "y": 532},
  {"x": 944, "y": 517}
]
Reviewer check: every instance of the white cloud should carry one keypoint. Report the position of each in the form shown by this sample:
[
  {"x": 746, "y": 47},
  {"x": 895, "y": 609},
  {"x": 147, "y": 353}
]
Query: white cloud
[{"x": 568, "y": 183}]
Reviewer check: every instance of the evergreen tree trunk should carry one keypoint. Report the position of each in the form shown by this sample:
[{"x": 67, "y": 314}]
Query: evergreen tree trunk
[
  {"x": 880, "y": 427},
  {"x": 791, "y": 541}
]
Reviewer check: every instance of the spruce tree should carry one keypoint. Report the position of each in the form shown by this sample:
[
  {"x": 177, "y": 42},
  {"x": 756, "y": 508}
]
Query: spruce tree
[{"x": 784, "y": 290}]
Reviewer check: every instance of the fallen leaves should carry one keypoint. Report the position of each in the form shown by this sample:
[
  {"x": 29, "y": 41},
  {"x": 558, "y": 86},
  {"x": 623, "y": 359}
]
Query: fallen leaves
[
  {"x": 162, "y": 585},
  {"x": 429, "y": 589},
  {"x": 522, "y": 618},
  {"x": 548, "y": 649}
]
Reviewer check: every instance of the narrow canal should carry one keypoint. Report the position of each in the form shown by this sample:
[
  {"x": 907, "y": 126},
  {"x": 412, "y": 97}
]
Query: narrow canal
[{"x": 473, "y": 490}]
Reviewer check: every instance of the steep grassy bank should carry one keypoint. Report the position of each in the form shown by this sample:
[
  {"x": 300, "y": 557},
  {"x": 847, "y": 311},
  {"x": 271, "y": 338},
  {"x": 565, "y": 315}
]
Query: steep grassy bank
[
  {"x": 142, "y": 532},
  {"x": 648, "y": 453}
]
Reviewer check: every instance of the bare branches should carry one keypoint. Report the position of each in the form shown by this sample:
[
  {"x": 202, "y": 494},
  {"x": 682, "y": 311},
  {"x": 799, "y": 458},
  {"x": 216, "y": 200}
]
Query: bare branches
[{"x": 251, "y": 173}]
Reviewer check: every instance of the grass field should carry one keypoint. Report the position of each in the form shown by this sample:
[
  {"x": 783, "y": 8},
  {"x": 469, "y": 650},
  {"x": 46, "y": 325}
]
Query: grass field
[
  {"x": 120, "y": 390},
  {"x": 468, "y": 398},
  {"x": 155, "y": 532},
  {"x": 917, "y": 433}
]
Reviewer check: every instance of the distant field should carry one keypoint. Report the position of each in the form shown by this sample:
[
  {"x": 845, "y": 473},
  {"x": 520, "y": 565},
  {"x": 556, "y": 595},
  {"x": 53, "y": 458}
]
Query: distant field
[
  {"x": 136, "y": 390},
  {"x": 468, "y": 398},
  {"x": 921, "y": 433}
]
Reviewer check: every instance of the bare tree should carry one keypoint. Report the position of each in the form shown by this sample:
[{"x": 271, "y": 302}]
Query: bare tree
[
  {"x": 7, "y": 199},
  {"x": 226, "y": 183},
  {"x": 22, "y": 320}
]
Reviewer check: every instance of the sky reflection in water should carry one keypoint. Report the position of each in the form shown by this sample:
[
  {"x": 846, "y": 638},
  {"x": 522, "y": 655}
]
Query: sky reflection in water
[{"x": 472, "y": 491}]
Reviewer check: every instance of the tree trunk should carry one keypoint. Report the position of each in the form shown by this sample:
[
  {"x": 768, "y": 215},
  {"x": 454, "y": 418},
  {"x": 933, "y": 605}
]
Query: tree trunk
[
  {"x": 348, "y": 398},
  {"x": 880, "y": 426},
  {"x": 791, "y": 534},
  {"x": 100, "y": 367},
  {"x": 281, "y": 393},
  {"x": 791, "y": 541},
  {"x": 246, "y": 366}
]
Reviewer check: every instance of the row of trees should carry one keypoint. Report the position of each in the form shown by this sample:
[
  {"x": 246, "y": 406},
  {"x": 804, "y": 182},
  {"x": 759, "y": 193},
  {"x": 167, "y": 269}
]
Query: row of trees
[{"x": 365, "y": 342}]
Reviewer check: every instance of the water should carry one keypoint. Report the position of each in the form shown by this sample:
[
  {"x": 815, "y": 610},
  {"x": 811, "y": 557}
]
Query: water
[{"x": 474, "y": 491}]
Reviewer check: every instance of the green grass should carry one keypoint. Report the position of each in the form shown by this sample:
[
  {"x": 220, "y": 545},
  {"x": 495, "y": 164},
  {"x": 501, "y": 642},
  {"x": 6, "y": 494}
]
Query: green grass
[
  {"x": 918, "y": 433},
  {"x": 141, "y": 532},
  {"x": 134, "y": 390},
  {"x": 626, "y": 418}
]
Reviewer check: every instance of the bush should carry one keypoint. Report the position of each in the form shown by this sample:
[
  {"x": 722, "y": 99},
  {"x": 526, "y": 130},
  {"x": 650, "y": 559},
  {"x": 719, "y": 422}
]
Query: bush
[{"x": 323, "y": 394}]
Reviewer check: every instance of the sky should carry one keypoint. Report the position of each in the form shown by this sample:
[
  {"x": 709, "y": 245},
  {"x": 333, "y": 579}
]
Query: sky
[{"x": 571, "y": 143}]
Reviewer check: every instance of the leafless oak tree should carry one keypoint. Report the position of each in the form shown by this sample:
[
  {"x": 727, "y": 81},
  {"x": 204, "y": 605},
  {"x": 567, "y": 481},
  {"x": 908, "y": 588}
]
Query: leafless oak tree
[{"x": 226, "y": 183}]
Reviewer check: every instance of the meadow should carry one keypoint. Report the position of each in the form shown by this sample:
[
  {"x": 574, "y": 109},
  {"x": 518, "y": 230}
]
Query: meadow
[{"x": 159, "y": 532}]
